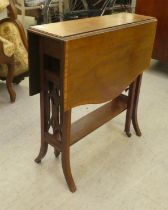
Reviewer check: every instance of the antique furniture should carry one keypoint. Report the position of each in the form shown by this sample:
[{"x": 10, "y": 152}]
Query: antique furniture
[
  {"x": 87, "y": 61},
  {"x": 13, "y": 50},
  {"x": 158, "y": 9},
  {"x": 6, "y": 56}
]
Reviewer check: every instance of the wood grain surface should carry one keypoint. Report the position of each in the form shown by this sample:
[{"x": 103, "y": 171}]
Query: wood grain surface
[
  {"x": 98, "y": 68},
  {"x": 99, "y": 57},
  {"x": 66, "y": 29}
]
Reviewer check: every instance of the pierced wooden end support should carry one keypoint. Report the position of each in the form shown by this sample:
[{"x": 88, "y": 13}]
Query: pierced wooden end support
[
  {"x": 66, "y": 134},
  {"x": 69, "y": 133},
  {"x": 56, "y": 127}
]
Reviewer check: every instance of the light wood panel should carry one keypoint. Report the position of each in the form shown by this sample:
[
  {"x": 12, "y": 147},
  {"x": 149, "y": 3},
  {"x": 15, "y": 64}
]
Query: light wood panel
[
  {"x": 67, "y": 29},
  {"x": 99, "y": 67}
]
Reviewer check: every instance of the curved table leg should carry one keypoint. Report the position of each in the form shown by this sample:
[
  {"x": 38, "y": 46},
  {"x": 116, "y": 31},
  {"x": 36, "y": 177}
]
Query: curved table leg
[
  {"x": 130, "y": 105},
  {"x": 136, "y": 100},
  {"x": 42, "y": 153},
  {"x": 66, "y": 151},
  {"x": 44, "y": 144},
  {"x": 67, "y": 170},
  {"x": 9, "y": 81}
]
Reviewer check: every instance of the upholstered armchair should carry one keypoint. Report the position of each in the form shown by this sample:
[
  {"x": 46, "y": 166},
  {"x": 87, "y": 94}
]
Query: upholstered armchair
[{"x": 13, "y": 49}]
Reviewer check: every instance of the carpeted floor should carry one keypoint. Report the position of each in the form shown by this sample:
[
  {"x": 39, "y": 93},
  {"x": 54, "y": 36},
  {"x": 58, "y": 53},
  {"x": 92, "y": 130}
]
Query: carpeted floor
[{"x": 111, "y": 171}]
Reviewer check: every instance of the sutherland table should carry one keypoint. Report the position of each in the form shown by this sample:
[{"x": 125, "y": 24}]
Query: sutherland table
[{"x": 87, "y": 61}]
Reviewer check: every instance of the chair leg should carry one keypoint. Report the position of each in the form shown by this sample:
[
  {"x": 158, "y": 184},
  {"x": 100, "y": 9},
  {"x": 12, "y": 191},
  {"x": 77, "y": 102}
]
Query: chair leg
[
  {"x": 66, "y": 152},
  {"x": 9, "y": 80}
]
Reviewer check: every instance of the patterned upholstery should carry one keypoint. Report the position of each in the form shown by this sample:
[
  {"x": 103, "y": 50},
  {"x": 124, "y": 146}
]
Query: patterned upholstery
[
  {"x": 10, "y": 32},
  {"x": 8, "y": 47},
  {"x": 3, "y": 4}
]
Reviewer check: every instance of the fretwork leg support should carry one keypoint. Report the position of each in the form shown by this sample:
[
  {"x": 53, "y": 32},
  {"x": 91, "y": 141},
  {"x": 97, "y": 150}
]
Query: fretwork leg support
[{"x": 65, "y": 134}]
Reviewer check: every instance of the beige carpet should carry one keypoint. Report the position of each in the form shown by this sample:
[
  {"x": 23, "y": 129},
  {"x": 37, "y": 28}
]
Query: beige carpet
[{"x": 111, "y": 171}]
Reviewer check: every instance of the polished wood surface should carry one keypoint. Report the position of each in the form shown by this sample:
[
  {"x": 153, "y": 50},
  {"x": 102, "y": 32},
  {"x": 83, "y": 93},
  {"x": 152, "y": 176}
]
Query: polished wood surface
[
  {"x": 63, "y": 30},
  {"x": 100, "y": 64},
  {"x": 97, "y": 56},
  {"x": 158, "y": 9},
  {"x": 81, "y": 67}
]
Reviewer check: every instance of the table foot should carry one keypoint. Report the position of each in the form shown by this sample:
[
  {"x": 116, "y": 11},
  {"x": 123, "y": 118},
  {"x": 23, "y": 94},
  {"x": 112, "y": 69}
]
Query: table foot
[
  {"x": 56, "y": 153},
  {"x": 128, "y": 133},
  {"x": 42, "y": 153},
  {"x": 136, "y": 126},
  {"x": 137, "y": 130}
]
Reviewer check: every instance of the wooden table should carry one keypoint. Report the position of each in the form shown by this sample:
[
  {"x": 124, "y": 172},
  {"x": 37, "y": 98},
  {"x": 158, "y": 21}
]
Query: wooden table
[
  {"x": 158, "y": 9},
  {"x": 87, "y": 61}
]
